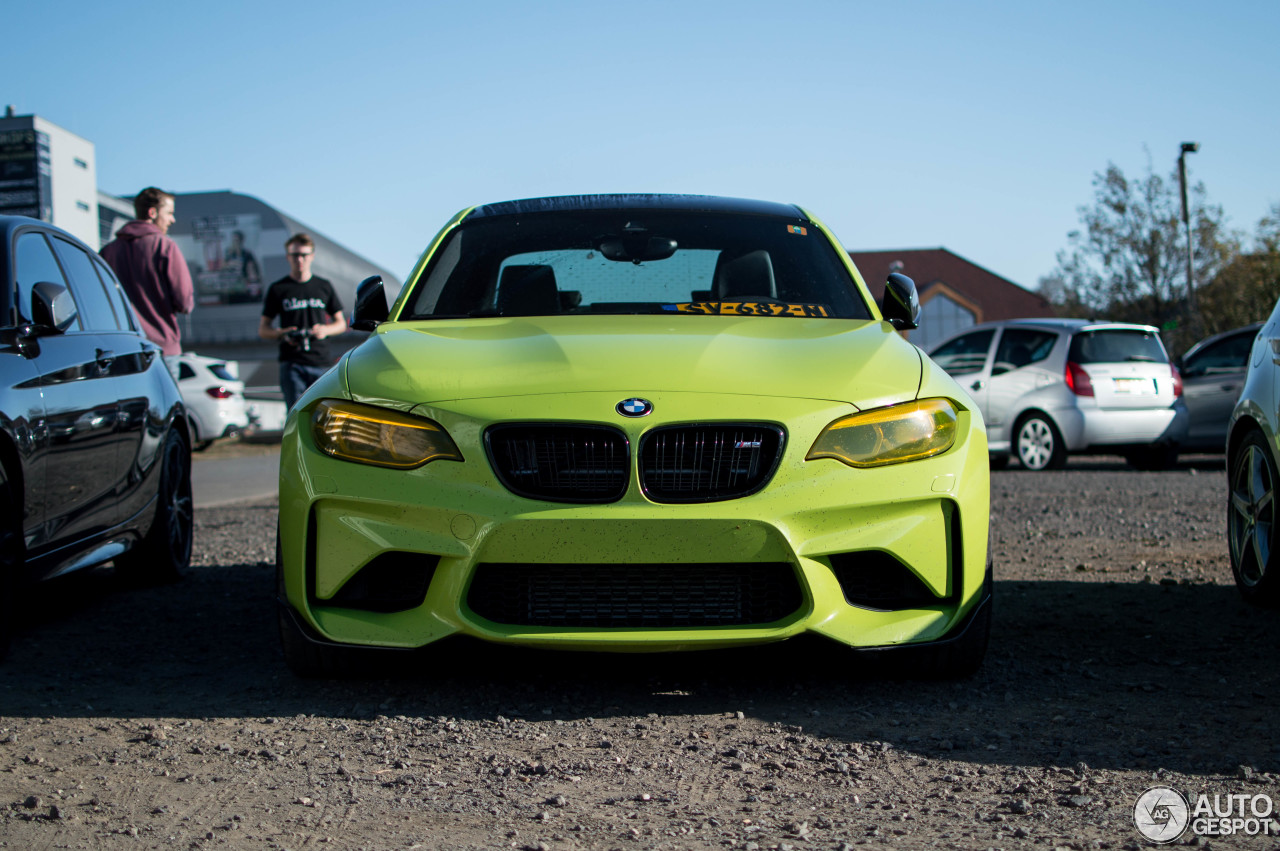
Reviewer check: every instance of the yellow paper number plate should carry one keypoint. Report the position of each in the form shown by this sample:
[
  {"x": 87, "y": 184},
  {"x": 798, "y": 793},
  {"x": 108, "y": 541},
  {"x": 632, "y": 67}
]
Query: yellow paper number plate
[{"x": 750, "y": 308}]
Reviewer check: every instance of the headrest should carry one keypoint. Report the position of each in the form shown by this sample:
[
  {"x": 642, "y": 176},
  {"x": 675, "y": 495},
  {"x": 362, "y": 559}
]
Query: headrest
[
  {"x": 748, "y": 275},
  {"x": 528, "y": 291}
]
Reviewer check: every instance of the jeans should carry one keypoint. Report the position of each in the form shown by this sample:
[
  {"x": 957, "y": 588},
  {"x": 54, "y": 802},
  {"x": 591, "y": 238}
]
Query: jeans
[{"x": 295, "y": 378}]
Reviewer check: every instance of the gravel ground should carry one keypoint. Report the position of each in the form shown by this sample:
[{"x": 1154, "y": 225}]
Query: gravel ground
[{"x": 1121, "y": 658}]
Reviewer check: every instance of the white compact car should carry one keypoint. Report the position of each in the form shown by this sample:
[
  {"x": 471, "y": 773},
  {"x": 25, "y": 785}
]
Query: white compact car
[
  {"x": 214, "y": 397},
  {"x": 1050, "y": 387}
]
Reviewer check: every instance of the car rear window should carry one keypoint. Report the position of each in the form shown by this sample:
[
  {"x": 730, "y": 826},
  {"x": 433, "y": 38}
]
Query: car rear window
[
  {"x": 220, "y": 370},
  {"x": 1117, "y": 346},
  {"x": 636, "y": 261}
]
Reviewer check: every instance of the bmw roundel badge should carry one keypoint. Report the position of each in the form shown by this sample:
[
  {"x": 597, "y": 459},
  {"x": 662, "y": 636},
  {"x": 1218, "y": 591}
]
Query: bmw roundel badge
[{"x": 635, "y": 407}]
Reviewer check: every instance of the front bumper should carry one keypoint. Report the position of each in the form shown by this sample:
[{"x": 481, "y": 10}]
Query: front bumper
[{"x": 930, "y": 516}]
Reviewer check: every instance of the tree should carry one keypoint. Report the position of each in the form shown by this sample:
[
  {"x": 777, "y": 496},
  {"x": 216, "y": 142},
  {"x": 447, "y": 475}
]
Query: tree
[
  {"x": 1248, "y": 286},
  {"x": 1128, "y": 262}
]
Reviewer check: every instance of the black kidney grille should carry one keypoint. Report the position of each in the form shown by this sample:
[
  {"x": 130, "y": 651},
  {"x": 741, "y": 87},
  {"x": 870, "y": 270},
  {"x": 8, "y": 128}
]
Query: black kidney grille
[
  {"x": 560, "y": 463},
  {"x": 634, "y": 596},
  {"x": 702, "y": 463}
]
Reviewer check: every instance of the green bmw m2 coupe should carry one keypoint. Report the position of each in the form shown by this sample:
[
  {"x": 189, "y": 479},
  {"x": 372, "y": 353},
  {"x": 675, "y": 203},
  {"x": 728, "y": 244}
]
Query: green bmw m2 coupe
[{"x": 634, "y": 423}]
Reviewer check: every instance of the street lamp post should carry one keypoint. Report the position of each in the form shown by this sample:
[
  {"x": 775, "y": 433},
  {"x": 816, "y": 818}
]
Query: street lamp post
[{"x": 1188, "y": 148}]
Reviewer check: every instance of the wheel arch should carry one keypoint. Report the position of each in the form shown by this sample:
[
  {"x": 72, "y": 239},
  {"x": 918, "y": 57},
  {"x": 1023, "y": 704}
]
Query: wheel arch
[{"x": 1239, "y": 429}]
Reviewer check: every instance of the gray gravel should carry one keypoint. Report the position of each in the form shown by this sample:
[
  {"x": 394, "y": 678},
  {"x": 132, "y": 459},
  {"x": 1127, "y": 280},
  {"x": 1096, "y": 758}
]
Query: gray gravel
[{"x": 1122, "y": 657}]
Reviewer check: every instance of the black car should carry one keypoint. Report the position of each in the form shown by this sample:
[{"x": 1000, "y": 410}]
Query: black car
[{"x": 95, "y": 456}]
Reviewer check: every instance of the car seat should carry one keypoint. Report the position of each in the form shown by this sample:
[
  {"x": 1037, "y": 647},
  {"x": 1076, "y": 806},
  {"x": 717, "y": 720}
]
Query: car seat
[{"x": 528, "y": 291}]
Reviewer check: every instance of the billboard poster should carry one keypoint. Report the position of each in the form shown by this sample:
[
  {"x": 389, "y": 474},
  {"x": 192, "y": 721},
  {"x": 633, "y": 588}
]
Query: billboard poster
[
  {"x": 26, "y": 178},
  {"x": 222, "y": 252}
]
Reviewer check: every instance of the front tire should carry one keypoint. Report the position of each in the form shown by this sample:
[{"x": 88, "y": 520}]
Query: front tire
[
  {"x": 164, "y": 554},
  {"x": 306, "y": 657},
  {"x": 1251, "y": 520},
  {"x": 1039, "y": 444}
]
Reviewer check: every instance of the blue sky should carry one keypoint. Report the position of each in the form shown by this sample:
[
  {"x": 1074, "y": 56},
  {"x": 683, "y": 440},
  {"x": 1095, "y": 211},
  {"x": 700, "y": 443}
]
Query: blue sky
[{"x": 973, "y": 126}]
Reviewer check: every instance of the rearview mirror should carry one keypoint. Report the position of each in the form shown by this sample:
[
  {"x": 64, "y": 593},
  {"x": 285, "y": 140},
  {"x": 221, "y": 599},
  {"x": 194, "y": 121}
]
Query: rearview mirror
[
  {"x": 371, "y": 304},
  {"x": 901, "y": 304},
  {"x": 637, "y": 248}
]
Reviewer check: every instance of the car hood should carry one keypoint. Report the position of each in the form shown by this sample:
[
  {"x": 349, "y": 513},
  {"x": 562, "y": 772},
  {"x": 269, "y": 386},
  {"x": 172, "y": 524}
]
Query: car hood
[{"x": 864, "y": 363}]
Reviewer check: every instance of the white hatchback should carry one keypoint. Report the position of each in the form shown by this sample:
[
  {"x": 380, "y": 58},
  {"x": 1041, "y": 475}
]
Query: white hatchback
[
  {"x": 1050, "y": 387},
  {"x": 214, "y": 396}
]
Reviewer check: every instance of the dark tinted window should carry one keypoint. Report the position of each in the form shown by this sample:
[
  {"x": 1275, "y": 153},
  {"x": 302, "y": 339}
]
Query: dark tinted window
[
  {"x": 649, "y": 261},
  {"x": 96, "y": 312},
  {"x": 185, "y": 372},
  {"x": 1117, "y": 346},
  {"x": 1021, "y": 347},
  {"x": 119, "y": 301},
  {"x": 966, "y": 354},
  {"x": 1229, "y": 355},
  {"x": 220, "y": 370},
  {"x": 34, "y": 263}
]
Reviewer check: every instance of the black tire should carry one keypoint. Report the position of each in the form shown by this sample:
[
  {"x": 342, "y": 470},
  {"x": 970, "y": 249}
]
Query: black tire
[
  {"x": 1153, "y": 458},
  {"x": 164, "y": 554},
  {"x": 11, "y": 559},
  {"x": 1251, "y": 520},
  {"x": 307, "y": 657},
  {"x": 961, "y": 659},
  {"x": 1038, "y": 443}
]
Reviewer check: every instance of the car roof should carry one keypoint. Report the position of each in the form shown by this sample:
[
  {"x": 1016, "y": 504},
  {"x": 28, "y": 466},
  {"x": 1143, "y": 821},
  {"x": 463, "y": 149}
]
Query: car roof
[
  {"x": 8, "y": 224},
  {"x": 1250, "y": 328},
  {"x": 639, "y": 201}
]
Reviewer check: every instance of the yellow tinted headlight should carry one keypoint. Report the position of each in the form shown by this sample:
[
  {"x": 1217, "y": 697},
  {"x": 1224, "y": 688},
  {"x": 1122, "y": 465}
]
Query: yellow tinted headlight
[
  {"x": 369, "y": 435},
  {"x": 889, "y": 435}
]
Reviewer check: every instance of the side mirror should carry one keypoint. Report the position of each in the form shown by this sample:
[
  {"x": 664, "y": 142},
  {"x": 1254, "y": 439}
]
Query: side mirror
[
  {"x": 371, "y": 304},
  {"x": 901, "y": 304},
  {"x": 52, "y": 306}
]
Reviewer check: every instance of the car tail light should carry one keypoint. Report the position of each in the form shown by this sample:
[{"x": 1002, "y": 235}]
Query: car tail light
[
  {"x": 1078, "y": 380},
  {"x": 1177, "y": 380},
  {"x": 219, "y": 392}
]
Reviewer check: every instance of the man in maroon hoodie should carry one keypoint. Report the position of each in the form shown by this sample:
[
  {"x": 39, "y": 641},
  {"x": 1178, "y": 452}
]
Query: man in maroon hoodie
[{"x": 152, "y": 269}]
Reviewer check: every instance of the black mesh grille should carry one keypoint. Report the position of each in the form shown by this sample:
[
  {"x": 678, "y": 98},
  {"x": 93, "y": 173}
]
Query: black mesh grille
[
  {"x": 701, "y": 463},
  {"x": 560, "y": 463},
  {"x": 631, "y": 596}
]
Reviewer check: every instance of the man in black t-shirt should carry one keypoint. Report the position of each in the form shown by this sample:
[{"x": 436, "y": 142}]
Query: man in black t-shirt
[{"x": 303, "y": 303}]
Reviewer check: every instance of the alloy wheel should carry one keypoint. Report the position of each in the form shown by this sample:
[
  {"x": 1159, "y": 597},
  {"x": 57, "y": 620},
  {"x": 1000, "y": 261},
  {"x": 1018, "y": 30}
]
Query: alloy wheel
[
  {"x": 1252, "y": 513},
  {"x": 1035, "y": 444}
]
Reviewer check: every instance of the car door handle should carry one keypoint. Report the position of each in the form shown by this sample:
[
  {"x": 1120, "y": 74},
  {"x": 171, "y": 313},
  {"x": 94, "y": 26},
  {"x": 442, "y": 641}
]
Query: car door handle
[{"x": 977, "y": 385}]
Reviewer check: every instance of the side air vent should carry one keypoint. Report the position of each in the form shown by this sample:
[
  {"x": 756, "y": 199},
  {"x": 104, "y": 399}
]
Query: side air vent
[
  {"x": 392, "y": 582},
  {"x": 876, "y": 580}
]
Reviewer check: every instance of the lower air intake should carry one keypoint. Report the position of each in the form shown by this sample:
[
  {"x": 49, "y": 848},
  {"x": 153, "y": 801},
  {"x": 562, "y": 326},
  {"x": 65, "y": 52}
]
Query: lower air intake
[{"x": 634, "y": 596}]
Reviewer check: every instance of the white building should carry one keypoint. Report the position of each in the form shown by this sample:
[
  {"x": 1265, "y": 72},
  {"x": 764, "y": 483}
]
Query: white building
[{"x": 48, "y": 173}]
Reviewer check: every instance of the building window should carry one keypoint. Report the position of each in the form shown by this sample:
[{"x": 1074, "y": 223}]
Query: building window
[
  {"x": 940, "y": 318},
  {"x": 83, "y": 206},
  {"x": 81, "y": 163}
]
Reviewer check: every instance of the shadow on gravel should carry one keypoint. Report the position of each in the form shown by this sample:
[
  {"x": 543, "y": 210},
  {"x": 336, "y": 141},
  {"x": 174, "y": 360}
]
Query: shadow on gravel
[{"x": 1124, "y": 676}]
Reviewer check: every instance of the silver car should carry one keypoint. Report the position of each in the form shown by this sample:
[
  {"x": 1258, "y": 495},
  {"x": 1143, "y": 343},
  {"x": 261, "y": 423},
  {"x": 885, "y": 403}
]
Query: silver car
[
  {"x": 1253, "y": 434},
  {"x": 1050, "y": 387}
]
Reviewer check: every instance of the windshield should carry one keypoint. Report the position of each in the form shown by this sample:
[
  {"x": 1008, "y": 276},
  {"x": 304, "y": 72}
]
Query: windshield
[{"x": 646, "y": 262}]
